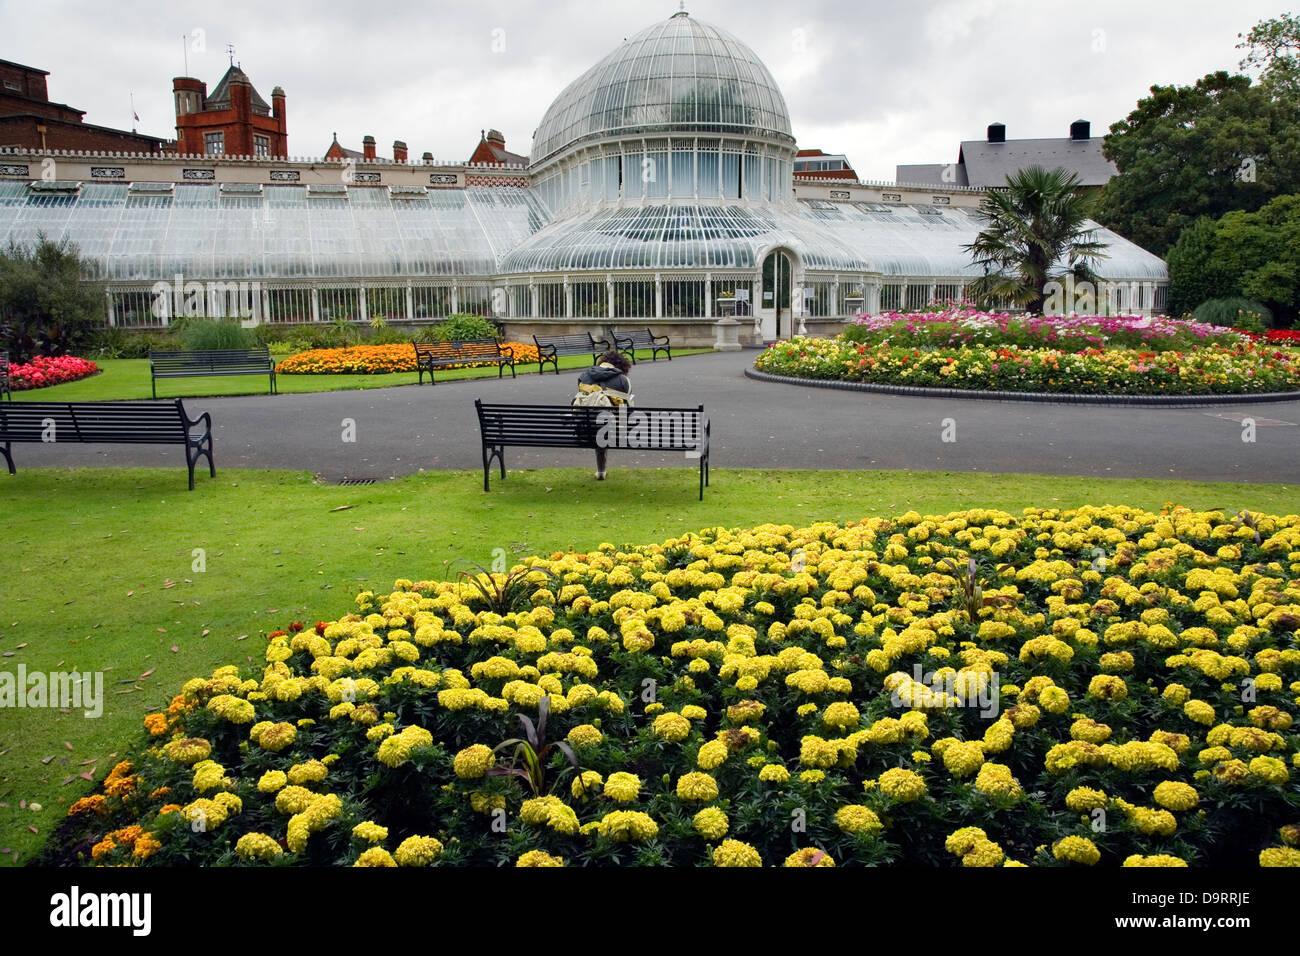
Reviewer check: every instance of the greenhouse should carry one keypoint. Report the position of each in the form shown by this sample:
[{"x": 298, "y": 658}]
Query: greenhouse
[{"x": 660, "y": 190}]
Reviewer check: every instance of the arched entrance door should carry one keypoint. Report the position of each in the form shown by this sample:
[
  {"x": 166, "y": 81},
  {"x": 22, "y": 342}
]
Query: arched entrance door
[{"x": 774, "y": 305}]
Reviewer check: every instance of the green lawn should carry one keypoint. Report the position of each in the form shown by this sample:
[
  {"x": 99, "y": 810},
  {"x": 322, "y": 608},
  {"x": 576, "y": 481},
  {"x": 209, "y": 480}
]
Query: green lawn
[
  {"x": 129, "y": 379},
  {"x": 99, "y": 566}
]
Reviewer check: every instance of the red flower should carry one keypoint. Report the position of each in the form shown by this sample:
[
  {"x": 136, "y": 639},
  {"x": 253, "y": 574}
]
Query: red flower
[{"x": 296, "y": 626}]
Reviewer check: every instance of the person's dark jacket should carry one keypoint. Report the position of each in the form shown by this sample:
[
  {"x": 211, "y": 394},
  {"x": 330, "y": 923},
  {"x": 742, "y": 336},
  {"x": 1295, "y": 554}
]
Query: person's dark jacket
[{"x": 607, "y": 377}]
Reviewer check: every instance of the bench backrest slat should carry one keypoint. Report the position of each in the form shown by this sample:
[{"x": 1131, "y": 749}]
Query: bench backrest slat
[
  {"x": 666, "y": 429},
  {"x": 470, "y": 348},
  {"x": 93, "y": 421}
]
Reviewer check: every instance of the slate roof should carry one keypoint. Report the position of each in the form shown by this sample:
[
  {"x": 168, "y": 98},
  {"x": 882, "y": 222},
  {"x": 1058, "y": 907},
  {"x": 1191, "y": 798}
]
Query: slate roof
[
  {"x": 219, "y": 98},
  {"x": 989, "y": 164}
]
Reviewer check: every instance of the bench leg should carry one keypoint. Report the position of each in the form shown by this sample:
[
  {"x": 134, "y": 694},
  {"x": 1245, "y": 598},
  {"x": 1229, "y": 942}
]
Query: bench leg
[
  {"x": 9, "y": 459},
  {"x": 154, "y": 383},
  {"x": 274, "y": 388},
  {"x": 490, "y": 452}
]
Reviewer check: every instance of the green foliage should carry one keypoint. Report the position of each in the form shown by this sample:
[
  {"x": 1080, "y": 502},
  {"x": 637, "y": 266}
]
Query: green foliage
[
  {"x": 46, "y": 308},
  {"x": 1040, "y": 219},
  {"x": 463, "y": 327},
  {"x": 1253, "y": 255},
  {"x": 115, "y": 343},
  {"x": 1202, "y": 150},
  {"x": 1273, "y": 47},
  {"x": 1235, "y": 312},
  {"x": 203, "y": 334}
]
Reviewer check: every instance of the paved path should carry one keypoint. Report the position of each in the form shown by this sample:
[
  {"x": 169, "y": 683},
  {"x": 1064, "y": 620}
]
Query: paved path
[{"x": 755, "y": 425}]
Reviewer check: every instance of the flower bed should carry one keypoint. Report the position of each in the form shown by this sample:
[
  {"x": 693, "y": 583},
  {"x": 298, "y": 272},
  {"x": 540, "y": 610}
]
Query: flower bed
[
  {"x": 955, "y": 328},
  {"x": 42, "y": 372},
  {"x": 1243, "y": 367},
  {"x": 1096, "y": 687},
  {"x": 375, "y": 360}
]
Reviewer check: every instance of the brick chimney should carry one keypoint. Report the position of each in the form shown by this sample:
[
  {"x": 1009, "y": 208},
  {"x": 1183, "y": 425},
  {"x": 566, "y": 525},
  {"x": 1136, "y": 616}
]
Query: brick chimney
[
  {"x": 281, "y": 145},
  {"x": 496, "y": 138},
  {"x": 368, "y": 147},
  {"x": 399, "y": 151},
  {"x": 427, "y": 158}
]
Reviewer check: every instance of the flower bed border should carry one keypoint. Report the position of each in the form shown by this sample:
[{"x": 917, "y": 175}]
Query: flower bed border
[{"x": 1062, "y": 398}]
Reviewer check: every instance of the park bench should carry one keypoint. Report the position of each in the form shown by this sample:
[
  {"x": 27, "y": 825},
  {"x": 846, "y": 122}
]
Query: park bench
[
  {"x": 432, "y": 355},
  {"x": 205, "y": 362},
  {"x": 628, "y": 342},
  {"x": 4, "y": 376},
  {"x": 551, "y": 347},
  {"x": 113, "y": 423},
  {"x": 564, "y": 426}
]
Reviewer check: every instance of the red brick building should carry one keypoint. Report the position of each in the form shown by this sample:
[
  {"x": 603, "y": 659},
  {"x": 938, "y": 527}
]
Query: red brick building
[
  {"x": 233, "y": 120},
  {"x": 341, "y": 154},
  {"x": 29, "y": 120},
  {"x": 492, "y": 150}
]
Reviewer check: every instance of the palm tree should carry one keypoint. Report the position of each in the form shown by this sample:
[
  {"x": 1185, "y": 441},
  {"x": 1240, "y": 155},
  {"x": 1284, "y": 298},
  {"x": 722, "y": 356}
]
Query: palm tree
[{"x": 1037, "y": 232}]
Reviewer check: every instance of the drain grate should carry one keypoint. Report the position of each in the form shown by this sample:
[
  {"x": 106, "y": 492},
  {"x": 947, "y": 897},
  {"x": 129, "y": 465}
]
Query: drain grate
[{"x": 356, "y": 481}]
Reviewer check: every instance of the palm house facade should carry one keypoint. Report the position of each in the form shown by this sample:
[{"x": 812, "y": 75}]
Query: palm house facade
[{"x": 660, "y": 191}]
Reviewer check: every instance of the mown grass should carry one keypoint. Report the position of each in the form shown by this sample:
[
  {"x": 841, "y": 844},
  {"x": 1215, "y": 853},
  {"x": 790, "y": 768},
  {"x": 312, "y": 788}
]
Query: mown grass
[
  {"x": 100, "y": 567},
  {"x": 124, "y": 379}
]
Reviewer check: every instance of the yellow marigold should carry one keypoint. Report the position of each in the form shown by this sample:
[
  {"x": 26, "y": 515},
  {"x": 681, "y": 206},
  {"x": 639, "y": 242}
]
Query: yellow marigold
[
  {"x": 375, "y": 856},
  {"x": 901, "y": 785},
  {"x": 1269, "y": 769},
  {"x": 1199, "y": 711},
  {"x": 710, "y": 823},
  {"x": 1075, "y": 849},
  {"x": 397, "y": 749},
  {"x": 671, "y": 727},
  {"x": 586, "y": 784},
  {"x": 996, "y": 779},
  {"x": 623, "y": 787},
  {"x": 473, "y": 762},
  {"x": 188, "y": 751},
  {"x": 712, "y": 755},
  {"x": 584, "y": 736},
  {"x": 276, "y": 737},
  {"x": 1082, "y": 799},
  {"x": 963, "y": 758},
  {"x": 311, "y": 771},
  {"x": 539, "y": 858},
  {"x": 624, "y": 826},
  {"x": 745, "y": 712},
  {"x": 370, "y": 832},
  {"x": 809, "y": 857},
  {"x": 417, "y": 851},
  {"x": 1158, "y": 859},
  {"x": 773, "y": 773},
  {"x": 257, "y": 846},
  {"x": 697, "y": 787},
  {"x": 1054, "y": 700},
  {"x": 1173, "y": 795},
  {"x": 841, "y": 715},
  {"x": 735, "y": 853},
  {"x": 857, "y": 819},
  {"x": 1279, "y": 856},
  {"x": 1107, "y": 687}
]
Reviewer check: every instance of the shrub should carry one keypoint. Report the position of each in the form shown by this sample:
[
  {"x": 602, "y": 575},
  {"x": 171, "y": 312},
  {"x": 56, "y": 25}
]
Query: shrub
[
  {"x": 114, "y": 343},
  {"x": 203, "y": 334},
  {"x": 46, "y": 308},
  {"x": 1229, "y": 313},
  {"x": 460, "y": 328}
]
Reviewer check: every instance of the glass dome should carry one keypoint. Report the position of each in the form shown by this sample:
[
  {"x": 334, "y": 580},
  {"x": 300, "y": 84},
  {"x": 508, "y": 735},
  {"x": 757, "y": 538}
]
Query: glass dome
[{"x": 680, "y": 75}]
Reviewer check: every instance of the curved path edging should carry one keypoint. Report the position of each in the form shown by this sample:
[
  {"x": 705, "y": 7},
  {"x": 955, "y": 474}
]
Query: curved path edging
[{"x": 1063, "y": 398}]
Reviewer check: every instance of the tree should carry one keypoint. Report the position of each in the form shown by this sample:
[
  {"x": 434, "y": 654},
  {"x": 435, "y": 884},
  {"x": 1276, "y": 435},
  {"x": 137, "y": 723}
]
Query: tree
[
  {"x": 1203, "y": 150},
  {"x": 1273, "y": 48},
  {"x": 1254, "y": 255},
  {"x": 45, "y": 306},
  {"x": 1037, "y": 232}
]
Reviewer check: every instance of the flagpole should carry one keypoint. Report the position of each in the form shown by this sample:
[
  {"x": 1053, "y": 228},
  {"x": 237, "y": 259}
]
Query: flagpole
[{"x": 133, "y": 113}]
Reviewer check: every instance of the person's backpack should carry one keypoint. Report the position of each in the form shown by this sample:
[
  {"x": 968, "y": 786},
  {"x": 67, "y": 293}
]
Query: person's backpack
[{"x": 592, "y": 396}]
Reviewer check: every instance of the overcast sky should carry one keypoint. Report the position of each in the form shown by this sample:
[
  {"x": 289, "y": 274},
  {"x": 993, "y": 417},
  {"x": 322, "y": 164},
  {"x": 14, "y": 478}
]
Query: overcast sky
[{"x": 886, "y": 83}]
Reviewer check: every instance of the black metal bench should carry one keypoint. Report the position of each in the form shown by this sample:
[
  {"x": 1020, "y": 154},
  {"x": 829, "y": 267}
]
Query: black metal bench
[
  {"x": 115, "y": 423},
  {"x": 4, "y": 376},
  {"x": 551, "y": 347},
  {"x": 629, "y": 342},
  {"x": 200, "y": 364},
  {"x": 432, "y": 355},
  {"x": 564, "y": 426}
]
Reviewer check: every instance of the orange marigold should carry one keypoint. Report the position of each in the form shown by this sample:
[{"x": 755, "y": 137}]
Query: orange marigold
[
  {"x": 119, "y": 782},
  {"x": 156, "y": 724},
  {"x": 92, "y": 804},
  {"x": 146, "y": 846}
]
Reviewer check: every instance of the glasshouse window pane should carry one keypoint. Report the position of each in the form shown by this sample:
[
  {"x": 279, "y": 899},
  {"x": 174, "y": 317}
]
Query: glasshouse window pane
[
  {"x": 731, "y": 175},
  {"x": 708, "y": 173},
  {"x": 656, "y": 172}
]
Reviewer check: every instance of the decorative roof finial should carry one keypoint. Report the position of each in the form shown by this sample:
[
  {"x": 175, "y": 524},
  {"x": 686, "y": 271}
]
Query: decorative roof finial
[{"x": 681, "y": 10}]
